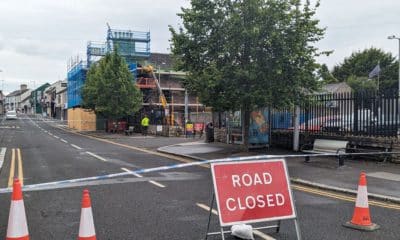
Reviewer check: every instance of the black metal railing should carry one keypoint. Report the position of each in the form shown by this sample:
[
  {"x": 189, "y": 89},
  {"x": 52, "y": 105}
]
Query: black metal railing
[{"x": 349, "y": 114}]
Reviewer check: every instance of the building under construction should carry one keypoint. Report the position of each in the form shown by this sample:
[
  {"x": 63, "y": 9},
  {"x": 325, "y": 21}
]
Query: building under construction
[{"x": 165, "y": 101}]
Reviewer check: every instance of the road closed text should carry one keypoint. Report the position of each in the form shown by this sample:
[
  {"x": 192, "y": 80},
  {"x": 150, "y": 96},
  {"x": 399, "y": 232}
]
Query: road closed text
[
  {"x": 253, "y": 201},
  {"x": 252, "y": 191}
]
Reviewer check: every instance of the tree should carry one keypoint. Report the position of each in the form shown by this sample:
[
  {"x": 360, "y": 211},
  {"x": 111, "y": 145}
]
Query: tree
[
  {"x": 109, "y": 89},
  {"x": 325, "y": 75},
  {"x": 361, "y": 84},
  {"x": 361, "y": 63},
  {"x": 246, "y": 54}
]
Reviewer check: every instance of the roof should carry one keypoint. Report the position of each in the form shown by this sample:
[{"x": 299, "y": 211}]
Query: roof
[
  {"x": 28, "y": 97},
  {"x": 17, "y": 93},
  {"x": 162, "y": 60},
  {"x": 336, "y": 88}
]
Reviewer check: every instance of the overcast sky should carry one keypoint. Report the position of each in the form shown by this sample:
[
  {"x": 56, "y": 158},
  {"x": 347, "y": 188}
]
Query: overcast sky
[{"x": 37, "y": 37}]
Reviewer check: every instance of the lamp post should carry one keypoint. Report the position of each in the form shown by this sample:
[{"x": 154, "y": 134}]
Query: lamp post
[
  {"x": 398, "y": 91},
  {"x": 398, "y": 38}
]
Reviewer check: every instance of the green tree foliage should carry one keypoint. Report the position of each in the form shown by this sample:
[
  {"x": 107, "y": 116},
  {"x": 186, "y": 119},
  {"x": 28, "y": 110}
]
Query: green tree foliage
[
  {"x": 109, "y": 89},
  {"x": 359, "y": 84},
  {"x": 244, "y": 54},
  {"x": 361, "y": 63},
  {"x": 325, "y": 75}
]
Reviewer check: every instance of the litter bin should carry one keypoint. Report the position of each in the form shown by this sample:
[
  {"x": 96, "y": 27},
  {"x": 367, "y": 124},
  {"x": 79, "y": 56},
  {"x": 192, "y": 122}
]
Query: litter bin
[{"x": 210, "y": 132}]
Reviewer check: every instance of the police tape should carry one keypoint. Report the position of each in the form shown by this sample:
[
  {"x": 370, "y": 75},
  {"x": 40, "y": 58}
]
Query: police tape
[{"x": 46, "y": 185}]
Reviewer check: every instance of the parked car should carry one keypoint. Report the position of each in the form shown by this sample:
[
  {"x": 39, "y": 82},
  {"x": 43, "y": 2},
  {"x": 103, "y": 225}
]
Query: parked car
[
  {"x": 11, "y": 115},
  {"x": 346, "y": 124},
  {"x": 314, "y": 124}
]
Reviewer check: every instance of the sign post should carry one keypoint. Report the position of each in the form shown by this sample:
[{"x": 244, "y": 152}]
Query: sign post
[{"x": 253, "y": 192}]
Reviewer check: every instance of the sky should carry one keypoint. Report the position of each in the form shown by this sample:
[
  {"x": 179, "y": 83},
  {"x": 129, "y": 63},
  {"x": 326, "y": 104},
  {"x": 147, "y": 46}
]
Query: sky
[{"x": 38, "y": 37}]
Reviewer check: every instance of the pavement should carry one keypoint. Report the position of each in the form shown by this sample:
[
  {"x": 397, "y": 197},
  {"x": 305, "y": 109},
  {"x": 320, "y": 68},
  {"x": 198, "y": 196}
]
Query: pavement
[{"x": 321, "y": 172}]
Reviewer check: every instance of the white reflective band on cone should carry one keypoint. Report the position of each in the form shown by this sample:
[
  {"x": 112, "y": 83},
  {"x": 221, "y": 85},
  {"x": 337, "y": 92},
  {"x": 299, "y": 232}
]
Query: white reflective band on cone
[
  {"x": 362, "y": 197},
  {"x": 86, "y": 227},
  {"x": 17, "y": 226}
]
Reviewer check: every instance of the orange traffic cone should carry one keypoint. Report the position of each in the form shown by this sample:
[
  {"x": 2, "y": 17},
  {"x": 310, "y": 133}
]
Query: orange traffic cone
[
  {"x": 361, "y": 218},
  {"x": 86, "y": 227},
  {"x": 17, "y": 226}
]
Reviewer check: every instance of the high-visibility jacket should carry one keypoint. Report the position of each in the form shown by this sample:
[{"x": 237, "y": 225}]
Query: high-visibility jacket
[{"x": 145, "y": 122}]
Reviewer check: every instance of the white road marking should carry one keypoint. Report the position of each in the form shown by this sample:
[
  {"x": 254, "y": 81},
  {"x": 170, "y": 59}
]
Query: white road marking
[
  {"x": 134, "y": 174},
  {"x": 385, "y": 175},
  {"x": 97, "y": 156},
  {"x": 62, "y": 140},
  {"x": 256, "y": 232},
  {"x": 140, "y": 176},
  {"x": 157, "y": 184},
  {"x": 205, "y": 207},
  {"x": 56, "y": 136},
  {"x": 262, "y": 235},
  {"x": 77, "y": 147},
  {"x": 2, "y": 156},
  {"x": 9, "y": 127}
]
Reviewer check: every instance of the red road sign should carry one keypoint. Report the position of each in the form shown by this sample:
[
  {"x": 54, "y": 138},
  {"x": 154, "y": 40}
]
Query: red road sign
[{"x": 253, "y": 191}]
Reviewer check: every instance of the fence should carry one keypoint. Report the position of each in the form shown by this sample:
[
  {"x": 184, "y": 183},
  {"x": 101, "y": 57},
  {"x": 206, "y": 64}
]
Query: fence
[{"x": 364, "y": 113}]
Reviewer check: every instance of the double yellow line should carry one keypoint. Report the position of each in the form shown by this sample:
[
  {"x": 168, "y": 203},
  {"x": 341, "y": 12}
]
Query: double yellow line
[
  {"x": 344, "y": 197},
  {"x": 16, "y": 151}
]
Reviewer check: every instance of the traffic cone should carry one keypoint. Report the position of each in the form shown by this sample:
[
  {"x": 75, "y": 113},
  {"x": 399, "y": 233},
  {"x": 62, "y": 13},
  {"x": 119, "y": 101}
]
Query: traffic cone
[
  {"x": 86, "y": 227},
  {"x": 361, "y": 218},
  {"x": 17, "y": 228}
]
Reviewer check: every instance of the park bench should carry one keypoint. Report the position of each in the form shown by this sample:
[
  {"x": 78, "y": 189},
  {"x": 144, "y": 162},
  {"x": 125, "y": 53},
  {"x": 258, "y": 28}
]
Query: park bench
[
  {"x": 129, "y": 131},
  {"x": 326, "y": 146}
]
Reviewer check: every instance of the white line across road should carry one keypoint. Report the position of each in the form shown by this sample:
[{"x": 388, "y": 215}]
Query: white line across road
[
  {"x": 140, "y": 176},
  {"x": 63, "y": 140},
  {"x": 77, "y": 147},
  {"x": 256, "y": 232},
  {"x": 56, "y": 136},
  {"x": 97, "y": 156}
]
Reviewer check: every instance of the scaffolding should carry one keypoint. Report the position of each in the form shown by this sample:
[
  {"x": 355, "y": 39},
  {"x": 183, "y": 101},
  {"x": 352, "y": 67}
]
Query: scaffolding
[
  {"x": 76, "y": 79},
  {"x": 134, "y": 46}
]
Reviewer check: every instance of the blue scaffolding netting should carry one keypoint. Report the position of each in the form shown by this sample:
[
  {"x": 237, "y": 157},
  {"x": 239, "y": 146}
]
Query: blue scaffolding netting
[{"x": 76, "y": 79}]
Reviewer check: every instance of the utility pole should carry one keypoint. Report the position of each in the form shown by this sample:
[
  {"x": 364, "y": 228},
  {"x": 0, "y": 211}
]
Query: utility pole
[
  {"x": 398, "y": 90},
  {"x": 398, "y": 38}
]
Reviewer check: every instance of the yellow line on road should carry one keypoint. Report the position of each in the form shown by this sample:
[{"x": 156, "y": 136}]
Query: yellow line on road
[
  {"x": 294, "y": 186},
  {"x": 12, "y": 168},
  {"x": 180, "y": 159},
  {"x": 344, "y": 197},
  {"x": 20, "y": 168}
]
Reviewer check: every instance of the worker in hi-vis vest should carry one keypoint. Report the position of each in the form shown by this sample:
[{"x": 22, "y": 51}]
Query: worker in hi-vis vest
[{"x": 145, "y": 125}]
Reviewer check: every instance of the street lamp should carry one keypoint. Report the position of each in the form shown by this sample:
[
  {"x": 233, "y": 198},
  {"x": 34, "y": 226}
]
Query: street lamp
[{"x": 398, "y": 38}]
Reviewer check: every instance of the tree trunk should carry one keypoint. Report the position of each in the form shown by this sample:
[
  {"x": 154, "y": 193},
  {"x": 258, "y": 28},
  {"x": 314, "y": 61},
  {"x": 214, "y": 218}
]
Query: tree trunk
[{"x": 245, "y": 127}]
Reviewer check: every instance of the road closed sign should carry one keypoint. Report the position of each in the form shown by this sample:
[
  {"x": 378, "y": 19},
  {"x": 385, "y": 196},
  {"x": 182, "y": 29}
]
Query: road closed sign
[{"x": 252, "y": 191}]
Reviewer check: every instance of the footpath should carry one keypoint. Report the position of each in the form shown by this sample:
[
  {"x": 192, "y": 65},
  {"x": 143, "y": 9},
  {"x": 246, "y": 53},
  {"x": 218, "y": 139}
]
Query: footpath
[{"x": 322, "y": 172}]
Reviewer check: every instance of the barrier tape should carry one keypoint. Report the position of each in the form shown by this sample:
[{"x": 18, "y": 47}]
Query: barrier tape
[{"x": 40, "y": 186}]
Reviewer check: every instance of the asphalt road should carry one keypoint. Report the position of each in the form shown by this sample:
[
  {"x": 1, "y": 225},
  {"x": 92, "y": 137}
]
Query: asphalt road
[{"x": 160, "y": 205}]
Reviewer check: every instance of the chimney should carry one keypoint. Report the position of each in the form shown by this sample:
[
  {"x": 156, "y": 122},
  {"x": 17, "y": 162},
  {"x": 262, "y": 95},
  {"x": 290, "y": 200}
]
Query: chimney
[{"x": 24, "y": 87}]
